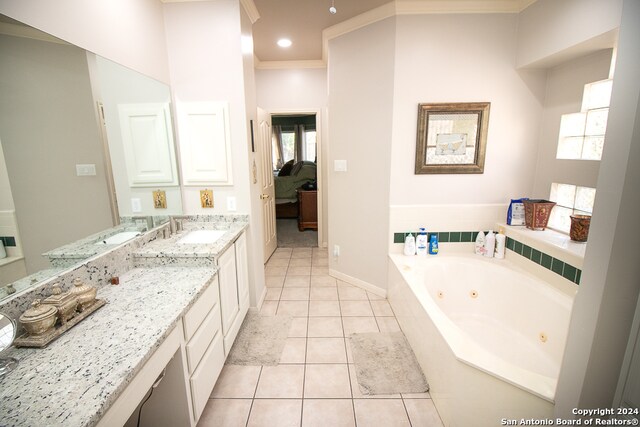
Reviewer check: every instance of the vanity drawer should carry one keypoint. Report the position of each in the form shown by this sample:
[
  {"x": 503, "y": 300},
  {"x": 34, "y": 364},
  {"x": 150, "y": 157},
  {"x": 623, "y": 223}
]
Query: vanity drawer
[
  {"x": 196, "y": 315},
  {"x": 203, "y": 337},
  {"x": 206, "y": 374}
]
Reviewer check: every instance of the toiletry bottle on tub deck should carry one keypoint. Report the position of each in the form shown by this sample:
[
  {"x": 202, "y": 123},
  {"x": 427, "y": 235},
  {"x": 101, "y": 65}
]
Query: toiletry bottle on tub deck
[
  {"x": 409, "y": 245},
  {"x": 433, "y": 244},
  {"x": 501, "y": 240},
  {"x": 480, "y": 243},
  {"x": 421, "y": 242},
  {"x": 490, "y": 244}
]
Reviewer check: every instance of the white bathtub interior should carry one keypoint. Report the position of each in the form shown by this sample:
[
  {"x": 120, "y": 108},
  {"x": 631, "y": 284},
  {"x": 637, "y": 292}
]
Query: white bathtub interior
[{"x": 486, "y": 314}]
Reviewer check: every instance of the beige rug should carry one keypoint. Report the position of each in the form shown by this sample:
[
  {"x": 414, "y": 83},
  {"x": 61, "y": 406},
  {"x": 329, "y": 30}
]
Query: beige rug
[
  {"x": 385, "y": 364},
  {"x": 260, "y": 340}
]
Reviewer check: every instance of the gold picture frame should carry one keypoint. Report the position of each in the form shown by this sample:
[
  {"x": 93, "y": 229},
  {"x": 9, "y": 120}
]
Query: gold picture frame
[
  {"x": 160, "y": 199},
  {"x": 452, "y": 138},
  {"x": 206, "y": 198}
]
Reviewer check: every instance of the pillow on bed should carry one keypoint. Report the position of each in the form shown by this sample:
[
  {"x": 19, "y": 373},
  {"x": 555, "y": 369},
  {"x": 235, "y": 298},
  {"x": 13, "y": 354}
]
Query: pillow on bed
[{"x": 285, "y": 170}]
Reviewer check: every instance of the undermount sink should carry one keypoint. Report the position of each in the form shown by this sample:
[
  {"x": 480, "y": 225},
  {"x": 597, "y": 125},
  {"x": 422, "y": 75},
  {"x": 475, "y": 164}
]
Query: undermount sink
[
  {"x": 121, "y": 237},
  {"x": 202, "y": 237}
]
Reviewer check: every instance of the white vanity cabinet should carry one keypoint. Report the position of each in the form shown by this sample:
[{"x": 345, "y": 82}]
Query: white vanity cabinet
[
  {"x": 234, "y": 289},
  {"x": 204, "y": 347}
]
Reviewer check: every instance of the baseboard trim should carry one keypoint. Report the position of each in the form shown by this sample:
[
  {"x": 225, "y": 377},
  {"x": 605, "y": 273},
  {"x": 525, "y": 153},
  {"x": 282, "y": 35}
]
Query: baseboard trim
[
  {"x": 261, "y": 300},
  {"x": 358, "y": 283}
]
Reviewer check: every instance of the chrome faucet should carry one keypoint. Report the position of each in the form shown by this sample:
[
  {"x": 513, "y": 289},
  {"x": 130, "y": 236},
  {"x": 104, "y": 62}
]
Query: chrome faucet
[
  {"x": 148, "y": 219},
  {"x": 175, "y": 223}
]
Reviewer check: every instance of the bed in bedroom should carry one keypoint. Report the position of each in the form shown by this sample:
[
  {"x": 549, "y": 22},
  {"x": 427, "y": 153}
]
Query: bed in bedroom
[{"x": 291, "y": 177}]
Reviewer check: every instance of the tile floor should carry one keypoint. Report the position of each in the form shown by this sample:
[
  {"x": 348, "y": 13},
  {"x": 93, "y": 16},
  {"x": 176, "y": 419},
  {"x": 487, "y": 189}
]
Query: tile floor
[{"x": 315, "y": 383}]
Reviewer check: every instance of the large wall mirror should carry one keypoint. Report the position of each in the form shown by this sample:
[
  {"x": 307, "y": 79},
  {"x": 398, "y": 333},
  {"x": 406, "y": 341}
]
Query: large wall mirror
[{"x": 70, "y": 124}]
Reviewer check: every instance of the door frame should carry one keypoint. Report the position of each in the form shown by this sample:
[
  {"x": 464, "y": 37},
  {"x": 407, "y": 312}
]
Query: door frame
[{"x": 319, "y": 140}]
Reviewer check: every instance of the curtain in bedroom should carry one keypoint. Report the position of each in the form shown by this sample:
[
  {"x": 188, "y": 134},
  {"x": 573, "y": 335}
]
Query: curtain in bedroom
[
  {"x": 276, "y": 132},
  {"x": 301, "y": 145}
]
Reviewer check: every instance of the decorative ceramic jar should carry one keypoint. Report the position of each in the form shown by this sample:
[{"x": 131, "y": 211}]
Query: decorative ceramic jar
[
  {"x": 536, "y": 213},
  {"x": 65, "y": 302},
  {"x": 579, "y": 231},
  {"x": 85, "y": 294},
  {"x": 39, "y": 318}
]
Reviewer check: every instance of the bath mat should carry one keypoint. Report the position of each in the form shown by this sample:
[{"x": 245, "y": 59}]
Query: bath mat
[
  {"x": 260, "y": 340},
  {"x": 385, "y": 364}
]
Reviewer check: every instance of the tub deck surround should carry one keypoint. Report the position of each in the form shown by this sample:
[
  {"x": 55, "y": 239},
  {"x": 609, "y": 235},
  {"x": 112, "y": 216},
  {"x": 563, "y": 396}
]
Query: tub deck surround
[
  {"x": 76, "y": 378},
  {"x": 481, "y": 327}
]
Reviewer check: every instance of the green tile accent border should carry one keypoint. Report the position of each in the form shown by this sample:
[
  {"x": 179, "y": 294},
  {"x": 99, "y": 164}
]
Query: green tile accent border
[{"x": 559, "y": 267}]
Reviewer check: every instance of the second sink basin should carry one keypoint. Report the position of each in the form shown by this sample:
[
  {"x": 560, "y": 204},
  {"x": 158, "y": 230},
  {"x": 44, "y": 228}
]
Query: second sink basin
[
  {"x": 121, "y": 237},
  {"x": 202, "y": 237}
]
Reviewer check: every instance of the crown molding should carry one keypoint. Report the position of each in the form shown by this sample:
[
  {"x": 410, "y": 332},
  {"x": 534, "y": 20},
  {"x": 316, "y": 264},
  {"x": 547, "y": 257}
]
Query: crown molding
[
  {"x": 288, "y": 65},
  {"x": 28, "y": 33},
  {"x": 248, "y": 5},
  {"x": 251, "y": 9}
]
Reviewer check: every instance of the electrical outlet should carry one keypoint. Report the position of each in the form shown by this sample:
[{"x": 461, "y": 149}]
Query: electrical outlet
[
  {"x": 336, "y": 250},
  {"x": 86, "y": 170}
]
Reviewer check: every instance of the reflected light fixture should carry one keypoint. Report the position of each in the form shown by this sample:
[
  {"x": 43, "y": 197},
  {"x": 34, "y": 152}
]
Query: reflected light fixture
[
  {"x": 284, "y": 42},
  {"x": 333, "y": 9}
]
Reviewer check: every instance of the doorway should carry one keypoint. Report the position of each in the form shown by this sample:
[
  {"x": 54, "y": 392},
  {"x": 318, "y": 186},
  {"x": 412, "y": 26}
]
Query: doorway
[{"x": 295, "y": 166}]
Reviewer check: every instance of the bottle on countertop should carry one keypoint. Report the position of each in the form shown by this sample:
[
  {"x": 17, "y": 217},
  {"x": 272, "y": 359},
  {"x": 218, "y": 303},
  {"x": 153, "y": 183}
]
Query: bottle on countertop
[
  {"x": 501, "y": 241},
  {"x": 409, "y": 245},
  {"x": 480, "y": 243},
  {"x": 490, "y": 244},
  {"x": 421, "y": 242},
  {"x": 433, "y": 244}
]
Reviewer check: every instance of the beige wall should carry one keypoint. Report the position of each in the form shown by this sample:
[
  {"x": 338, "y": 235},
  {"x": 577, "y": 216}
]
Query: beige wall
[
  {"x": 477, "y": 65},
  {"x": 127, "y": 32},
  {"x": 565, "y": 86},
  {"x": 47, "y": 126},
  {"x": 361, "y": 77},
  {"x": 551, "y": 32},
  {"x": 303, "y": 90}
]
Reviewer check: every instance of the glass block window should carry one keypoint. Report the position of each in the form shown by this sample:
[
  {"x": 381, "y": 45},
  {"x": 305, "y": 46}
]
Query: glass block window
[
  {"x": 582, "y": 134},
  {"x": 569, "y": 199}
]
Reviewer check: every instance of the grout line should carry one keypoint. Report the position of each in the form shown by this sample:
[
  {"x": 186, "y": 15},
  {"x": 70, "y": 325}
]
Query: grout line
[
  {"x": 405, "y": 409},
  {"x": 253, "y": 398}
]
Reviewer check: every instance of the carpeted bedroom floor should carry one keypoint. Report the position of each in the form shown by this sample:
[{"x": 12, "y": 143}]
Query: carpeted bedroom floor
[{"x": 290, "y": 237}]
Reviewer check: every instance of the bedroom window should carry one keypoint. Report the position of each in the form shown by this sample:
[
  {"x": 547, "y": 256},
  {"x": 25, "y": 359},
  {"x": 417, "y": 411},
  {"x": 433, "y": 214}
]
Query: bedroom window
[{"x": 309, "y": 153}]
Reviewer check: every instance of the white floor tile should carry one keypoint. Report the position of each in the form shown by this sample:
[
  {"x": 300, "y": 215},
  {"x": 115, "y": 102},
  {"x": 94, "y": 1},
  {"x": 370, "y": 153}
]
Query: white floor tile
[
  {"x": 237, "y": 381},
  {"x": 293, "y": 308},
  {"x": 380, "y": 413},
  {"x": 225, "y": 413},
  {"x": 294, "y": 351},
  {"x": 326, "y": 350},
  {"x": 275, "y": 412},
  {"x": 298, "y": 327},
  {"x": 281, "y": 381},
  {"x": 325, "y": 327},
  {"x": 356, "y": 308},
  {"x": 328, "y": 412},
  {"x": 422, "y": 413},
  {"x": 324, "y": 308},
  {"x": 327, "y": 381}
]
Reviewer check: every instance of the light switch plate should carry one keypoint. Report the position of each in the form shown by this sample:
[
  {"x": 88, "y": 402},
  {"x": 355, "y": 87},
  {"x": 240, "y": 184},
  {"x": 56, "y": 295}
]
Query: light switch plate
[
  {"x": 340, "y": 165},
  {"x": 86, "y": 170},
  {"x": 231, "y": 203},
  {"x": 136, "y": 205}
]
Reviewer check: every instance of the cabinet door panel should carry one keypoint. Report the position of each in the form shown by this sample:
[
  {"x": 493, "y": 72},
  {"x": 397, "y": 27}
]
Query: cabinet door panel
[
  {"x": 242, "y": 270},
  {"x": 228, "y": 289},
  {"x": 147, "y": 141}
]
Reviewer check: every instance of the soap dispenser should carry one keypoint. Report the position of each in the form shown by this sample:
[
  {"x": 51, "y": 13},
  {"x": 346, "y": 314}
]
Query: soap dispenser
[
  {"x": 500, "y": 244},
  {"x": 480, "y": 243},
  {"x": 409, "y": 245}
]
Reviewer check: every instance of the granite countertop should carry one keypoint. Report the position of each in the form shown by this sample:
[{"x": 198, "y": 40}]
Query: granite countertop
[
  {"x": 87, "y": 247},
  {"x": 170, "y": 248},
  {"x": 74, "y": 380}
]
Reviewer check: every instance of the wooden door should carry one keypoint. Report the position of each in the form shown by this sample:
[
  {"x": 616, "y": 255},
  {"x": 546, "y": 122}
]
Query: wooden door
[{"x": 267, "y": 186}]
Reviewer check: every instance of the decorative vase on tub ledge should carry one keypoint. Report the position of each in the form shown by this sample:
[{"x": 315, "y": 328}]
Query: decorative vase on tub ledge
[
  {"x": 536, "y": 213},
  {"x": 579, "y": 231}
]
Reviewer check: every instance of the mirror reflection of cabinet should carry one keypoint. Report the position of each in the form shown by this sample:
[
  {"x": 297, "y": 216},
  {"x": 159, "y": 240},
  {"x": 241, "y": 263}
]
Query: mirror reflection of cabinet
[
  {"x": 205, "y": 145},
  {"x": 148, "y": 144}
]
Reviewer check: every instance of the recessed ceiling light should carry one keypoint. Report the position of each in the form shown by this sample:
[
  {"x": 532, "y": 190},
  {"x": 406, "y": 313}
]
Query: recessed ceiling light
[{"x": 284, "y": 42}]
